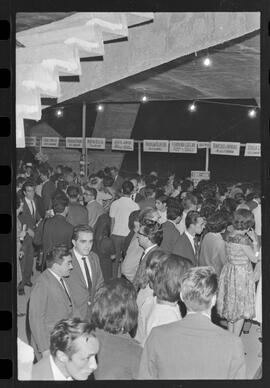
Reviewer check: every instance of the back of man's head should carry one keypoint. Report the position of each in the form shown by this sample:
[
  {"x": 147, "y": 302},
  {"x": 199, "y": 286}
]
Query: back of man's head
[
  {"x": 127, "y": 188},
  {"x": 198, "y": 288},
  {"x": 59, "y": 203}
]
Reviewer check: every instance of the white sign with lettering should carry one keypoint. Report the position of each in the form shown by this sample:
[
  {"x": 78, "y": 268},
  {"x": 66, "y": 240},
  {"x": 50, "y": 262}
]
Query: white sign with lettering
[
  {"x": 95, "y": 142},
  {"x": 30, "y": 141},
  {"x": 73, "y": 142},
  {"x": 197, "y": 176},
  {"x": 183, "y": 146},
  {"x": 50, "y": 142},
  {"x": 203, "y": 144},
  {"x": 123, "y": 144},
  {"x": 253, "y": 149},
  {"x": 225, "y": 148},
  {"x": 156, "y": 145}
]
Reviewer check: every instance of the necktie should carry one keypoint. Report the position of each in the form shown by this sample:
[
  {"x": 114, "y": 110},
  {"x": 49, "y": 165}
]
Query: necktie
[
  {"x": 33, "y": 209},
  {"x": 66, "y": 291},
  {"x": 88, "y": 277},
  {"x": 196, "y": 245}
]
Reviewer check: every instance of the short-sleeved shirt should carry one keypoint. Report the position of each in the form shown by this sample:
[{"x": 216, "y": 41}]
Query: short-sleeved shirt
[{"x": 120, "y": 211}]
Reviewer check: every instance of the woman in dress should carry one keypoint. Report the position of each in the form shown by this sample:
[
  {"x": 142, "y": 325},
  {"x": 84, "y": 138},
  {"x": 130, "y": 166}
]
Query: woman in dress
[
  {"x": 236, "y": 294},
  {"x": 114, "y": 316}
]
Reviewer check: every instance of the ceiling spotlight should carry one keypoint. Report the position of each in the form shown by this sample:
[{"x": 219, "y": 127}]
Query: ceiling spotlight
[
  {"x": 252, "y": 113},
  {"x": 192, "y": 107},
  {"x": 207, "y": 62},
  {"x": 144, "y": 98},
  {"x": 59, "y": 112},
  {"x": 100, "y": 108}
]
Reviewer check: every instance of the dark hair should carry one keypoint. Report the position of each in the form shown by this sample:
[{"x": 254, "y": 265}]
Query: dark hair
[
  {"x": 107, "y": 181},
  {"x": 177, "y": 182},
  {"x": 28, "y": 183},
  {"x": 100, "y": 174},
  {"x": 44, "y": 171},
  {"x": 127, "y": 187},
  {"x": 174, "y": 212},
  {"x": 149, "y": 191},
  {"x": 153, "y": 261},
  {"x": 192, "y": 218},
  {"x": 153, "y": 232},
  {"x": 91, "y": 190},
  {"x": 20, "y": 180},
  {"x": 243, "y": 219},
  {"x": 186, "y": 184},
  {"x": 73, "y": 191},
  {"x": 162, "y": 198},
  {"x": 81, "y": 228},
  {"x": 216, "y": 222},
  {"x": 57, "y": 254},
  {"x": 65, "y": 332},
  {"x": 166, "y": 285},
  {"x": 189, "y": 199},
  {"x": 18, "y": 200},
  {"x": 115, "y": 309},
  {"x": 229, "y": 204},
  {"x": 62, "y": 184},
  {"x": 208, "y": 208},
  {"x": 134, "y": 216},
  {"x": 59, "y": 203},
  {"x": 198, "y": 286}
]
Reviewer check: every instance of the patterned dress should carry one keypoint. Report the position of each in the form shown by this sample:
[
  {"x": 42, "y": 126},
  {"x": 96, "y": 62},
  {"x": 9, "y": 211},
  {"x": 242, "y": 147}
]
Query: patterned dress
[{"x": 236, "y": 292}]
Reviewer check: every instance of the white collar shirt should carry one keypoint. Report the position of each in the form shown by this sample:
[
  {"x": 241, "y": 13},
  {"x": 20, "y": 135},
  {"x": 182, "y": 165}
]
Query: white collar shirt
[
  {"x": 147, "y": 250},
  {"x": 57, "y": 374},
  {"x": 81, "y": 264},
  {"x": 191, "y": 239},
  {"x": 59, "y": 280},
  {"x": 29, "y": 204},
  {"x": 203, "y": 313}
]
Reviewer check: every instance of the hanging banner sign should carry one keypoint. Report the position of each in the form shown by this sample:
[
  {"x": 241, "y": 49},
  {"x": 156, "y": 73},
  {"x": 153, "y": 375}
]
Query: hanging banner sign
[
  {"x": 50, "y": 142},
  {"x": 95, "y": 142},
  {"x": 156, "y": 145},
  {"x": 253, "y": 149},
  {"x": 123, "y": 144},
  {"x": 183, "y": 146},
  {"x": 202, "y": 144},
  {"x": 200, "y": 175},
  {"x": 73, "y": 142},
  {"x": 30, "y": 141},
  {"x": 225, "y": 148}
]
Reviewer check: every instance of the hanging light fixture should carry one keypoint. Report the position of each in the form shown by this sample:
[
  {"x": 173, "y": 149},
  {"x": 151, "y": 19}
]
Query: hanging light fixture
[
  {"x": 192, "y": 107},
  {"x": 59, "y": 112},
  {"x": 144, "y": 98},
  {"x": 252, "y": 113},
  {"x": 207, "y": 61},
  {"x": 100, "y": 107}
]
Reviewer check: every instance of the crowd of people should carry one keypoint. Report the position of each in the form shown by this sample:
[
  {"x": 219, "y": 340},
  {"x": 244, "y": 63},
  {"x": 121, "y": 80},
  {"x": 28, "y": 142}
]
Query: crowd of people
[{"x": 139, "y": 277}]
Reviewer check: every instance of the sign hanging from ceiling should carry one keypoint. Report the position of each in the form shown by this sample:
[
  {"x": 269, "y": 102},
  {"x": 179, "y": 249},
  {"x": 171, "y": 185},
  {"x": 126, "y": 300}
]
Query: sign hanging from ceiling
[
  {"x": 155, "y": 145},
  {"x": 203, "y": 144},
  {"x": 197, "y": 176},
  {"x": 73, "y": 142},
  {"x": 253, "y": 149},
  {"x": 30, "y": 141},
  {"x": 225, "y": 148},
  {"x": 123, "y": 144},
  {"x": 183, "y": 146},
  {"x": 95, "y": 143},
  {"x": 50, "y": 142}
]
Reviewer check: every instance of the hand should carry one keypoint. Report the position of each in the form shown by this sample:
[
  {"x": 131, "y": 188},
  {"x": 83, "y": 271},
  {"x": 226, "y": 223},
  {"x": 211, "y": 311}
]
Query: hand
[
  {"x": 31, "y": 232},
  {"x": 45, "y": 353},
  {"x": 113, "y": 257}
]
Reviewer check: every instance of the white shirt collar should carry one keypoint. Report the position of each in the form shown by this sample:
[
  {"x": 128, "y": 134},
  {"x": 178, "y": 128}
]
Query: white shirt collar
[
  {"x": 149, "y": 248},
  {"x": 191, "y": 239},
  {"x": 29, "y": 203},
  {"x": 55, "y": 275},
  {"x": 57, "y": 374},
  {"x": 202, "y": 313}
]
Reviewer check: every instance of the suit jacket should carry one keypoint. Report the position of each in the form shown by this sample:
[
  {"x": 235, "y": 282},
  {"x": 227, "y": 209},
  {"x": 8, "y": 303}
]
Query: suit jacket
[
  {"x": 47, "y": 190},
  {"x": 170, "y": 236},
  {"x": 27, "y": 218},
  {"x": 141, "y": 270},
  {"x": 212, "y": 251},
  {"x": 184, "y": 248},
  {"x": 205, "y": 351},
  {"x": 42, "y": 370},
  {"x": 48, "y": 305},
  {"x": 117, "y": 184},
  {"x": 95, "y": 210},
  {"x": 77, "y": 214},
  {"x": 79, "y": 288},
  {"x": 53, "y": 231}
]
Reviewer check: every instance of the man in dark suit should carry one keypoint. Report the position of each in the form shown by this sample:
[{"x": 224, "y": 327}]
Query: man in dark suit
[
  {"x": 86, "y": 276},
  {"x": 55, "y": 230},
  {"x": 149, "y": 237},
  {"x": 117, "y": 179},
  {"x": 50, "y": 299},
  {"x": 73, "y": 347},
  {"x": 205, "y": 351},
  {"x": 48, "y": 188},
  {"x": 29, "y": 217},
  {"x": 170, "y": 232},
  {"x": 187, "y": 243},
  {"x": 77, "y": 213}
]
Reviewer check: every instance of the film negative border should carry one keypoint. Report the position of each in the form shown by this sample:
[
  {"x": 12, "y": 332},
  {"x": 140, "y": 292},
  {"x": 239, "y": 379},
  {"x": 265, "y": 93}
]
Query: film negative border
[{"x": 6, "y": 243}]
